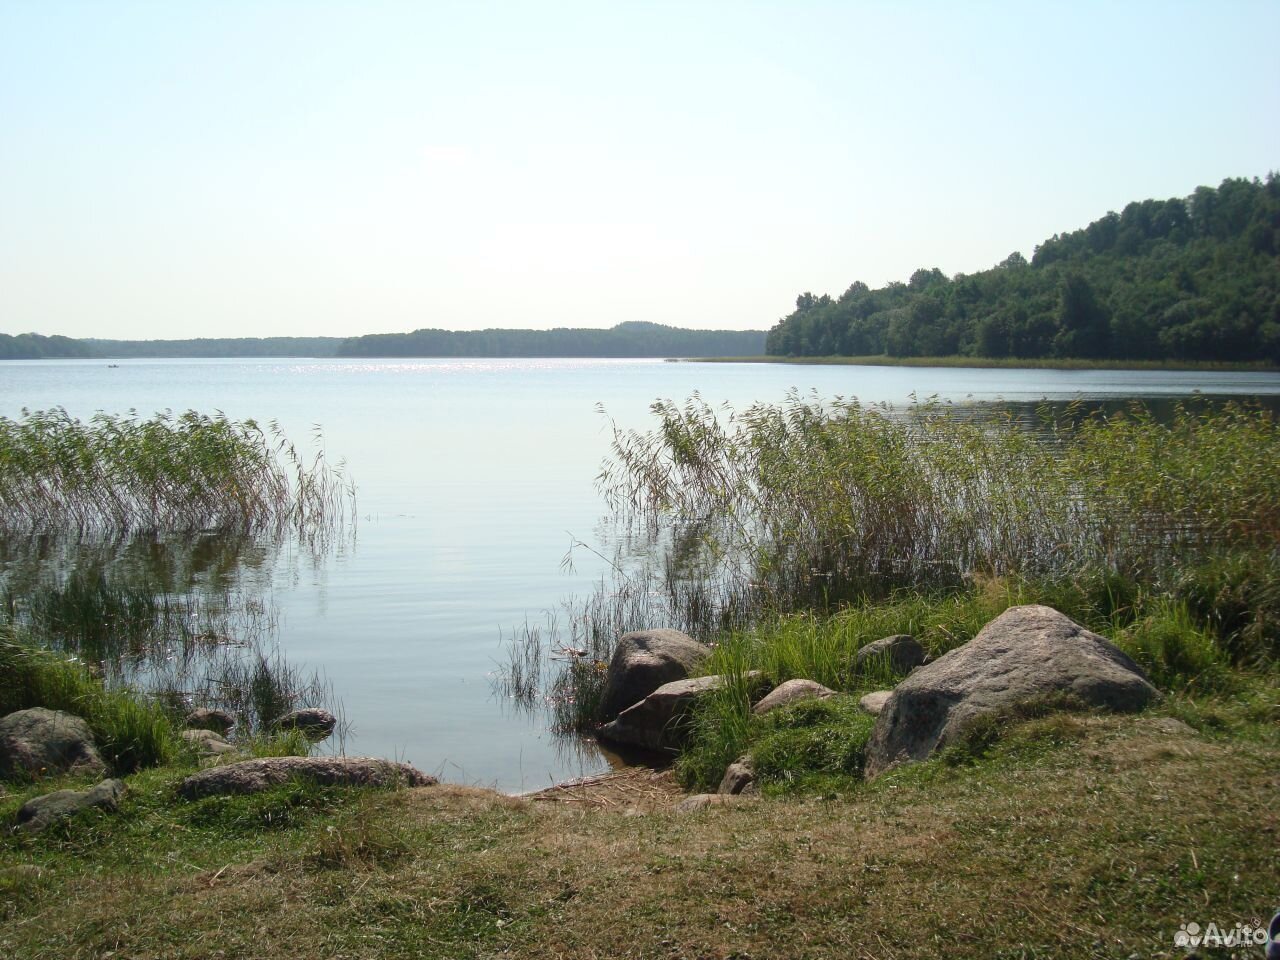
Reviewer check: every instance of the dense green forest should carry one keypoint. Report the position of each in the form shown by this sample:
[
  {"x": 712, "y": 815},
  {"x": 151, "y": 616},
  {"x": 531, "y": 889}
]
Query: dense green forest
[
  {"x": 631, "y": 339},
  {"x": 32, "y": 346},
  {"x": 1196, "y": 278}
]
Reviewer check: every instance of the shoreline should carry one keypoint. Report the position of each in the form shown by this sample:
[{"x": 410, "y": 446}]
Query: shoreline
[{"x": 1009, "y": 363}]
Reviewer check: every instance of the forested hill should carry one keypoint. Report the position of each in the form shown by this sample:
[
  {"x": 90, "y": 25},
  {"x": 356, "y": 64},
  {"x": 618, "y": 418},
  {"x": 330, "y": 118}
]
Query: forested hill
[
  {"x": 631, "y": 339},
  {"x": 32, "y": 346},
  {"x": 1196, "y": 278}
]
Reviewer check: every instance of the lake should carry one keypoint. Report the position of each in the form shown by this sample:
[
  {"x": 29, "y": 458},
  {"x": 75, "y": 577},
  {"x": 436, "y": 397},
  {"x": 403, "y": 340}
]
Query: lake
[{"x": 474, "y": 477}]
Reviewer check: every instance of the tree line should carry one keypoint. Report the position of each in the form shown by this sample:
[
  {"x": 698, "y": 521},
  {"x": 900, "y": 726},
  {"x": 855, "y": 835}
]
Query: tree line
[
  {"x": 33, "y": 346},
  {"x": 1194, "y": 278},
  {"x": 630, "y": 339}
]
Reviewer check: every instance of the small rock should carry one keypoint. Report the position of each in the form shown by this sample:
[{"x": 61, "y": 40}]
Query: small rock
[
  {"x": 1172, "y": 726},
  {"x": 254, "y": 776},
  {"x": 40, "y": 813},
  {"x": 657, "y": 721},
  {"x": 314, "y": 724},
  {"x": 642, "y": 662},
  {"x": 901, "y": 651},
  {"x": 701, "y": 801},
  {"x": 791, "y": 692},
  {"x": 207, "y": 742},
  {"x": 40, "y": 742},
  {"x": 205, "y": 718},
  {"x": 873, "y": 703},
  {"x": 739, "y": 777}
]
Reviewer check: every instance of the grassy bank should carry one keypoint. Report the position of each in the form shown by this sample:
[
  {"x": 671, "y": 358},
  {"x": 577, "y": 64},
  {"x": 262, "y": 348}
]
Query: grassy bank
[
  {"x": 791, "y": 536},
  {"x": 1015, "y": 363},
  {"x": 1084, "y": 836},
  {"x": 1210, "y": 643}
]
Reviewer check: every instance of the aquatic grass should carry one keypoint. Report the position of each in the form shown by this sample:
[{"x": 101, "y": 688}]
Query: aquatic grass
[
  {"x": 810, "y": 504},
  {"x": 187, "y": 472},
  {"x": 205, "y": 647},
  {"x": 258, "y": 686}
]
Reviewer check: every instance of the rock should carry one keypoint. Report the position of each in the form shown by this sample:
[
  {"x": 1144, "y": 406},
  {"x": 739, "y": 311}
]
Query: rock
[
  {"x": 314, "y": 724},
  {"x": 40, "y": 742},
  {"x": 873, "y": 703},
  {"x": 40, "y": 813},
  {"x": 740, "y": 777},
  {"x": 1172, "y": 726},
  {"x": 204, "y": 718},
  {"x": 1024, "y": 654},
  {"x": 642, "y": 662},
  {"x": 790, "y": 692},
  {"x": 701, "y": 801},
  {"x": 902, "y": 652},
  {"x": 254, "y": 776},
  {"x": 208, "y": 742},
  {"x": 657, "y": 721}
]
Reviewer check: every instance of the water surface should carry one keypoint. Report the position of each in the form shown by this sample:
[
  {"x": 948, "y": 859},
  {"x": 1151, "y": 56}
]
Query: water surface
[{"x": 474, "y": 477}]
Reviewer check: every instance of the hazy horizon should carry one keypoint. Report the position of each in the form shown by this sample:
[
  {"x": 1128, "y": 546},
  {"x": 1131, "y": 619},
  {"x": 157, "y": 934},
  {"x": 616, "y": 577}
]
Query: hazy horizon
[{"x": 290, "y": 169}]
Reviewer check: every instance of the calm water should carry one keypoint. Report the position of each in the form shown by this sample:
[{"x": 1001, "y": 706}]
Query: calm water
[{"x": 474, "y": 476}]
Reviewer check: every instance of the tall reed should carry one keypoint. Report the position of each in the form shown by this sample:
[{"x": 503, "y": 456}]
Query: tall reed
[
  {"x": 808, "y": 504},
  {"x": 810, "y": 507},
  {"x": 187, "y": 472}
]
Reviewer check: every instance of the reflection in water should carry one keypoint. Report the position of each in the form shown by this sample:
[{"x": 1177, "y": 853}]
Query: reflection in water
[{"x": 187, "y": 619}]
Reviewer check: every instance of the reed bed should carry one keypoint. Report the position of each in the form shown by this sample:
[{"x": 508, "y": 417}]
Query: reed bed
[
  {"x": 808, "y": 504},
  {"x": 769, "y": 526},
  {"x": 186, "y": 472}
]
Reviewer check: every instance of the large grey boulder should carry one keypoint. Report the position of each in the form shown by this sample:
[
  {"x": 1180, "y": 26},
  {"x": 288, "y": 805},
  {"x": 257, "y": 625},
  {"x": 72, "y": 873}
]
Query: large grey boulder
[
  {"x": 658, "y": 721},
  {"x": 39, "y": 813},
  {"x": 41, "y": 742},
  {"x": 642, "y": 662},
  {"x": 254, "y": 776},
  {"x": 312, "y": 722},
  {"x": 1024, "y": 654},
  {"x": 792, "y": 691},
  {"x": 902, "y": 652}
]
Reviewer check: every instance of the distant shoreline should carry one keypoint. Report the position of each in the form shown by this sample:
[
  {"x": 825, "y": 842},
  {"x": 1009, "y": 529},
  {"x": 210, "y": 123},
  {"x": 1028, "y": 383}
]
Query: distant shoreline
[{"x": 1002, "y": 363}]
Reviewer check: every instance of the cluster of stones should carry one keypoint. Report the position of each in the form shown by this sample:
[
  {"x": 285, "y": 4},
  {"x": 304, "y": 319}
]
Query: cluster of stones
[
  {"x": 38, "y": 743},
  {"x": 1027, "y": 653}
]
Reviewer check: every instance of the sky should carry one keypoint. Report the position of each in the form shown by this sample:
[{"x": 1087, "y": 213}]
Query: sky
[{"x": 184, "y": 169}]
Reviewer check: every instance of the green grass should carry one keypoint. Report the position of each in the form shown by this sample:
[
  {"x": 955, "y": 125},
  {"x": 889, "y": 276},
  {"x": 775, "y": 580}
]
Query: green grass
[
  {"x": 1182, "y": 651},
  {"x": 1116, "y": 830},
  {"x": 130, "y": 732}
]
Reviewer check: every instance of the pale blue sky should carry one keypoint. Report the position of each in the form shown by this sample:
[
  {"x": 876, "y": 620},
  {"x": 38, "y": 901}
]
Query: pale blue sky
[{"x": 174, "y": 169}]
